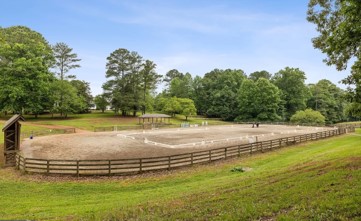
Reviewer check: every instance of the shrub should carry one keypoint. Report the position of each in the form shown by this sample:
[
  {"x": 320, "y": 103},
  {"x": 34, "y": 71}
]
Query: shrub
[{"x": 308, "y": 116}]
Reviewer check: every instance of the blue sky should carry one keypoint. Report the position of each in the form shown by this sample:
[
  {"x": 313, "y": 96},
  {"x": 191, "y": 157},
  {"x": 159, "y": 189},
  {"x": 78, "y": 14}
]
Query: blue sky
[{"x": 194, "y": 36}]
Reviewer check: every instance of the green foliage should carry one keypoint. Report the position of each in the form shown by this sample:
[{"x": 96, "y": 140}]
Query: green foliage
[
  {"x": 171, "y": 74},
  {"x": 175, "y": 105},
  {"x": 101, "y": 102},
  {"x": 181, "y": 87},
  {"x": 149, "y": 81},
  {"x": 217, "y": 94},
  {"x": 84, "y": 93},
  {"x": 260, "y": 74},
  {"x": 25, "y": 58},
  {"x": 130, "y": 80},
  {"x": 328, "y": 99},
  {"x": 258, "y": 100},
  {"x": 172, "y": 106},
  {"x": 238, "y": 169},
  {"x": 291, "y": 82},
  {"x": 65, "y": 60},
  {"x": 339, "y": 25},
  {"x": 64, "y": 98},
  {"x": 187, "y": 107},
  {"x": 308, "y": 116}
]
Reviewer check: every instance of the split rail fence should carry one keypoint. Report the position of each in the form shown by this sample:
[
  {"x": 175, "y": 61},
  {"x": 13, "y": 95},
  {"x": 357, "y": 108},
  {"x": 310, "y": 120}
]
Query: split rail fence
[{"x": 134, "y": 166}]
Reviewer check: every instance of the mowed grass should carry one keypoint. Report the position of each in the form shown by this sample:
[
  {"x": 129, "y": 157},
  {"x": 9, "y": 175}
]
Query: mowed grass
[{"x": 313, "y": 181}]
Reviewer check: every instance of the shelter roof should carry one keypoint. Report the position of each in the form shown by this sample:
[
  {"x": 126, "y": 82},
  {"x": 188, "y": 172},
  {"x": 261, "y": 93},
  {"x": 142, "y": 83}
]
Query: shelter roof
[{"x": 12, "y": 120}]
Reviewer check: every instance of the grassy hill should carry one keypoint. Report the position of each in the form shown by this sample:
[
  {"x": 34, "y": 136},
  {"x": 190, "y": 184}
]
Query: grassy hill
[{"x": 313, "y": 181}]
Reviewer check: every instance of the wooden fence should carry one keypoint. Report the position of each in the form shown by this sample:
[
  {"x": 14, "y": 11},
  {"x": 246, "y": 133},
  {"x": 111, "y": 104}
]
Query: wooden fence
[{"x": 133, "y": 166}]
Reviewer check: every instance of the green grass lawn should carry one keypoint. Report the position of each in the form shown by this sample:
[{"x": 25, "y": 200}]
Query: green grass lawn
[{"x": 313, "y": 181}]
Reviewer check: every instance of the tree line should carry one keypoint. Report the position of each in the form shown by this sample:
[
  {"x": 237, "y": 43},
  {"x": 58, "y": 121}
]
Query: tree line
[
  {"x": 35, "y": 78},
  {"x": 260, "y": 96}
]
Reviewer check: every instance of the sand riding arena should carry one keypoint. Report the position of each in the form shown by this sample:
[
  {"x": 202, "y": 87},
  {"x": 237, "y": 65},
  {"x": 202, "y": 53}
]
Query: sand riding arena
[{"x": 130, "y": 151}]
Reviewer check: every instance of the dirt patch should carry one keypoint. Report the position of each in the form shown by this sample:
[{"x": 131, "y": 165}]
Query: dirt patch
[{"x": 152, "y": 143}]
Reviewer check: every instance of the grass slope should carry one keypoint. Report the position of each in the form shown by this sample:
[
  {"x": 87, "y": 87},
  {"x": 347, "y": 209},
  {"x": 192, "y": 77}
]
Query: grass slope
[{"x": 314, "y": 181}]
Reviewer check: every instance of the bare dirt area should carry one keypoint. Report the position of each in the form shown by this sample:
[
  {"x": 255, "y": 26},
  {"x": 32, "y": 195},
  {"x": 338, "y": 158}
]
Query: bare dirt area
[{"x": 152, "y": 143}]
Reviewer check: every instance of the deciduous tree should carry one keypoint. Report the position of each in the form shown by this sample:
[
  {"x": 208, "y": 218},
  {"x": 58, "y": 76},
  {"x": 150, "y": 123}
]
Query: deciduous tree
[
  {"x": 101, "y": 102},
  {"x": 291, "y": 82},
  {"x": 187, "y": 107},
  {"x": 25, "y": 59},
  {"x": 328, "y": 99},
  {"x": 339, "y": 25},
  {"x": 258, "y": 100},
  {"x": 218, "y": 95},
  {"x": 84, "y": 93},
  {"x": 260, "y": 74}
]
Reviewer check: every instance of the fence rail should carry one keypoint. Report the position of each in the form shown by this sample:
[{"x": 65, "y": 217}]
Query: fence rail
[{"x": 133, "y": 166}]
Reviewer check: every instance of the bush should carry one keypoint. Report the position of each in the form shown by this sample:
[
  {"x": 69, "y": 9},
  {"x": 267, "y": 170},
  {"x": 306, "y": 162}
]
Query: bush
[{"x": 308, "y": 116}]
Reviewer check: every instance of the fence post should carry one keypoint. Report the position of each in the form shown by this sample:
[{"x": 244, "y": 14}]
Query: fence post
[
  {"x": 140, "y": 165},
  {"x": 47, "y": 166},
  {"x": 210, "y": 155},
  {"x": 251, "y": 149},
  {"x": 262, "y": 146},
  {"x": 77, "y": 168},
  {"x": 24, "y": 164},
  {"x": 192, "y": 159},
  {"x": 225, "y": 153},
  {"x": 168, "y": 162},
  {"x": 109, "y": 167},
  {"x": 239, "y": 150}
]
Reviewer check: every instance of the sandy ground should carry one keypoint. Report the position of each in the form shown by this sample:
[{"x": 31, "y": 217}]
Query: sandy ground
[{"x": 152, "y": 143}]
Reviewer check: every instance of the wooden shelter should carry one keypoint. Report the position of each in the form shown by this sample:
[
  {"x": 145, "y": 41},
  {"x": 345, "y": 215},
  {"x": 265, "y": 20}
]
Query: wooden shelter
[
  {"x": 154, "y": 118},
  {"x": 11, "y": 131}
]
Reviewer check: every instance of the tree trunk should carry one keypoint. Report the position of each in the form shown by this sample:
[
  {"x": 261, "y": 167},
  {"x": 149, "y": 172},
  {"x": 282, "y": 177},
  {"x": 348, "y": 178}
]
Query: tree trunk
[{"x": 144, "y": 95}]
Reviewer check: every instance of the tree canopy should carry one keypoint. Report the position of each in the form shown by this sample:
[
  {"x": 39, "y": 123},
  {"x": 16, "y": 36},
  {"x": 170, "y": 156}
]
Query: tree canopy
[
  {"x": 65, "y": 60},
  {"x": 258, "y": 100},
  {"x": 130, "y": 80},
  {"x": 291, "y": 82},
  {"x": 328, "y": 99},
  {"x": 25, "y": 58},
  {"x": 339, "y": 25}
]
